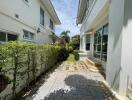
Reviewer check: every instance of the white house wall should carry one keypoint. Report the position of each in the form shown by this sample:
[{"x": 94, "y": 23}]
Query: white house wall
[
  {"x": 117, "y": 13},
  {"x": 113, "y": 68},
  {"x": 126, "y": 61},
  {"x": 29, "y": 18}
]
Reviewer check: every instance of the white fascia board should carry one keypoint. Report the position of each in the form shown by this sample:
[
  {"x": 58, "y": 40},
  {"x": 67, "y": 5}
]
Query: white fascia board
[{"x": 50, "y": 8}]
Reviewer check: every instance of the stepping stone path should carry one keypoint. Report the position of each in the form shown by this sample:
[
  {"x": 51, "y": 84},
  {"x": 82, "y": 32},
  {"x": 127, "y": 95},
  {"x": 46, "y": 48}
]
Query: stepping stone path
[{"x": 71, "y": 81}]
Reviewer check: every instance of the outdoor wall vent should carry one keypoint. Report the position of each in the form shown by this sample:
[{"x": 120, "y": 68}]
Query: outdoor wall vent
[{"x": 16, "y": 15}]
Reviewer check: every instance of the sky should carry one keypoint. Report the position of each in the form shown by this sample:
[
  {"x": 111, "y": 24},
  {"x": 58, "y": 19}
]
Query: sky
[{"x": 67, "y": 13}]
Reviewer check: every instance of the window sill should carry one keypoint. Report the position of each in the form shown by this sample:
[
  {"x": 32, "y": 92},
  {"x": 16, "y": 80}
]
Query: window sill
[
  {"x": 30, "y": 40},
  {"x": 42, "y": 26}
]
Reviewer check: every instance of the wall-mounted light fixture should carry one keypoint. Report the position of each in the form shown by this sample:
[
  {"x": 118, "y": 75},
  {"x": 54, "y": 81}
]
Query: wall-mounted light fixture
[{"x": 38, "y": 30}]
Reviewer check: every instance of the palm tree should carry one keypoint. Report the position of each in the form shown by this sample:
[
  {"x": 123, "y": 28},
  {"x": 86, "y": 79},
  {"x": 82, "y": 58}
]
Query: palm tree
[
  {"x": 65, "y": 35},
  {"x": 53, "y": 37}
]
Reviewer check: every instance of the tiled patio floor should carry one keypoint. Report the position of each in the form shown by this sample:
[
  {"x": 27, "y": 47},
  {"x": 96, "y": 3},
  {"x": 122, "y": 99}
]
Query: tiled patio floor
[{"x": 71, "y": 81}]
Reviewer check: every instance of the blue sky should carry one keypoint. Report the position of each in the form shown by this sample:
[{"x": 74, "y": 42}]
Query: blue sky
[{"x": 67, "y": 12}]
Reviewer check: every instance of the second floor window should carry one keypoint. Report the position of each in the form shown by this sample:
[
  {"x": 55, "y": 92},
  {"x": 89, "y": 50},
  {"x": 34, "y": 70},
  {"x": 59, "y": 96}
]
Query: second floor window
[
  {"x": 51, "y": 24},
  {"x": 41, "y": 16}
]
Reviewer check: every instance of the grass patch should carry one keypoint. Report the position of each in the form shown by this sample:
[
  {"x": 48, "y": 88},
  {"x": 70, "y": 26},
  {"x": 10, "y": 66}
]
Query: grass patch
[{"x": 71, "y": 58}]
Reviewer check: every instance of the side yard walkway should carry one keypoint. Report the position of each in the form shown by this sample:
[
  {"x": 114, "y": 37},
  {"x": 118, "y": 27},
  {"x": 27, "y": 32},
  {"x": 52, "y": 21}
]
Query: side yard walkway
[{"x": 70, "y": 81}]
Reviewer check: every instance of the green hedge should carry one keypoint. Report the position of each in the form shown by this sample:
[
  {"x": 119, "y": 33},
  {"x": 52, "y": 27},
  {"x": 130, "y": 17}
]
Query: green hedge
[{"x": 22, "y": 63}]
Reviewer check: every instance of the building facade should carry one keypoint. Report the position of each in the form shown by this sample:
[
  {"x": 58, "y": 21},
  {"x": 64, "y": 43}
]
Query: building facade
[
  {"x": 106, "y": 27},
  {"x": 27, "y": 20}
]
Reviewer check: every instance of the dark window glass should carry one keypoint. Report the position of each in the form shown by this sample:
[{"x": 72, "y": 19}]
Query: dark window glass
[
  {"x": 51, "y": 24},
  {"x": 12, "y": 37},
  {"x": 99, "y": 47},
  {"x": 41, "y": 16},
  {"x": 100, "y": 43},
  {"x": 87, "y": 42},
  {"x": 2, "y": 36},
  {"x": 88, "y": 46},
  {"x": 104, "y": 42}
]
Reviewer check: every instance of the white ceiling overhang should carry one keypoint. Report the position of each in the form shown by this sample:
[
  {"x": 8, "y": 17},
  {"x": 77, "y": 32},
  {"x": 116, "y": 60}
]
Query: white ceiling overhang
[{"x": 81, "y": 10}]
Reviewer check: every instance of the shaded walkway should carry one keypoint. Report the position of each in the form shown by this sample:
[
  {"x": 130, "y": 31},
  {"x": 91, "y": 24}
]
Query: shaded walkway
[{"x": 71, "y": 81}]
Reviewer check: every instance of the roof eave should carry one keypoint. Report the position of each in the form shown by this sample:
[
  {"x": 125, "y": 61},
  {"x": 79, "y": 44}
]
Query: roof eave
[
  {"x": 58, "y": 22},
  {"x": 80, "y": 11},
  {"x": 50, "y": 8}
]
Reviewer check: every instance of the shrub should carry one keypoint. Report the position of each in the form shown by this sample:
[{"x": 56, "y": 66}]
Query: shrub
[
  {"x": 63, "y": 54},
  {"x": 22, "y": 63}
]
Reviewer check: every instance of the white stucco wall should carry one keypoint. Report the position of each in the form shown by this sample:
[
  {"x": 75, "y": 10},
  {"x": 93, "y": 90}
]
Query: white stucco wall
[
  {"x": 119, "y": 58},
  {"x": 115, "y": 43},
  {"x": 29, "y": 18},
  {"x": 126, "y": 60}
]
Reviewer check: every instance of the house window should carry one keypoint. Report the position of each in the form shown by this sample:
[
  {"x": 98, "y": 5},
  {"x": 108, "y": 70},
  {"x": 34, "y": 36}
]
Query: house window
[
  {"x": 41, "y": 16},
  {"x": 104, "y": 42},
  {"x": 97, "y": 43},
  {"x": 51, "y": 24},
  {"x": 100, "y": 43},
  {"x": 4, "y": 37},
  {"x": 11, "y": 37},
  {"x": 87, "y": 42},
  {"x": 28, "y": 35}
]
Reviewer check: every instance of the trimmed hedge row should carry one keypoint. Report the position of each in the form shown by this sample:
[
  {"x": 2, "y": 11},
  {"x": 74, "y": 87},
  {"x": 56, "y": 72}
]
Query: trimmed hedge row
[{"x": 22, "y": 63}]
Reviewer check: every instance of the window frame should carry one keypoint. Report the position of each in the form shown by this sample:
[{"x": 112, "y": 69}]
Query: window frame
[
  {"x": 105, "y": 42},
  {"x": 30, "y": 35},
  {"x": 7, "y": 36},
  {"x": 88, "y": 42},
  {"x": 99, "y": 43},
  {"x": 51, "y": 24},
  {"x": 42, "y": 14}
]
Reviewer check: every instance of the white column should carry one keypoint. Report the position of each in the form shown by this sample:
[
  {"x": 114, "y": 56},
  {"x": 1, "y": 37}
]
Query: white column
[
  {"x": 80, "y": 43},
  {"x": 84, "y": 43}
]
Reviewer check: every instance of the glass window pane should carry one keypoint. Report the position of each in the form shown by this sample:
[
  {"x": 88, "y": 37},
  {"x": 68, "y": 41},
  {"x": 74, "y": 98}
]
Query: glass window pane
[
  {"x": 12, "y": 37},
  {"x": 31, "y": 35},
  {"x": 88, "y": 46},
  {"x": 2, "y": 36},
  {"x": 88, "y": 42},
  {"x": 51, "y": 24},
  {"x": 28, "y": 35},
  {"x": 104, "y": 42},
  {"x": 99, "y": 47},
  {"x": 25, "y": 35},
  {"x": 105, "y": 29},
  {"x": 41, "y": 16}
]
